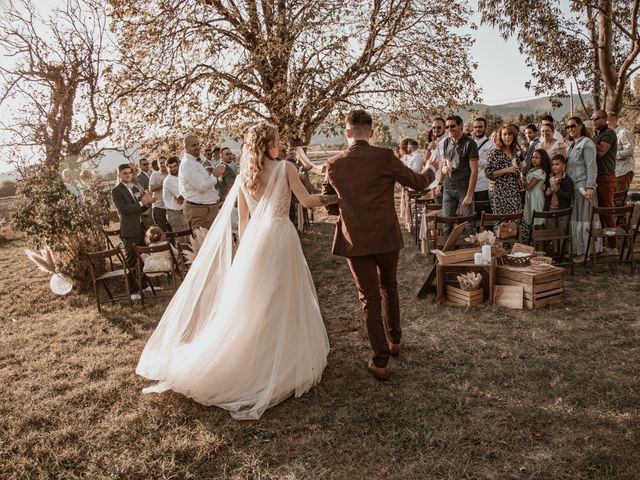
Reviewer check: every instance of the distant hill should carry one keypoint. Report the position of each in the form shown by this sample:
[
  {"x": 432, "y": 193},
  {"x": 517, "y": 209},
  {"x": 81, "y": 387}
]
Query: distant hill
[{"x": 535, "y": 105}]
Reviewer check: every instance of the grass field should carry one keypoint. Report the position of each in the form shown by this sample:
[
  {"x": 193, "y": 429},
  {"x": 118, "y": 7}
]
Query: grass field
[{"x": 487, "y": 393}]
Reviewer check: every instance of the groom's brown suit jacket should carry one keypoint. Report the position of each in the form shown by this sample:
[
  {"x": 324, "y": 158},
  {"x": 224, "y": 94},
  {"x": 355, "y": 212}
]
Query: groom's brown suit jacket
[{"x": 364, "y": 177}]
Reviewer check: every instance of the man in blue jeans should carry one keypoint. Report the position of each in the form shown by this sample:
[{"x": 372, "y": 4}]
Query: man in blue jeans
[{"x": 459, "y": 172}]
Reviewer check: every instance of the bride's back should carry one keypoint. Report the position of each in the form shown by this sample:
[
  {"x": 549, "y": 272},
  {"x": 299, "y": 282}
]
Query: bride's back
[{"x": 264, "y": 176}]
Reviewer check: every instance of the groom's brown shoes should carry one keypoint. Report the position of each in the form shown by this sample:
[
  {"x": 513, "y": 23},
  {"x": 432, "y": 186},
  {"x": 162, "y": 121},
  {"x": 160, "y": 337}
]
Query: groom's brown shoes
[
  {"x": 379, "y": 373},
  {"x": 394, "y": 348}
]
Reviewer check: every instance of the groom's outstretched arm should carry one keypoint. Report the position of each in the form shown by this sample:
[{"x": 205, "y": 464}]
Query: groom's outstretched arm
[
  {"x": 408, "y": 178},
  {"x": 327, "y": 189}
]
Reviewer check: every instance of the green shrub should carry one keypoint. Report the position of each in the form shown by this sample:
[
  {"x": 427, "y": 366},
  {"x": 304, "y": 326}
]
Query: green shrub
[{"x": 72, "y": 226}]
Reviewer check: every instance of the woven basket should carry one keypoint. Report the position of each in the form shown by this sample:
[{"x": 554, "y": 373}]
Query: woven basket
[
  {"x": 541, "y": 263},
  {"x": 517, "y": 261}
]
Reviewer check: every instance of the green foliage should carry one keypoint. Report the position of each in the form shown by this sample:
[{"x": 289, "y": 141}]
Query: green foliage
[{"x": 49, "y": 214}]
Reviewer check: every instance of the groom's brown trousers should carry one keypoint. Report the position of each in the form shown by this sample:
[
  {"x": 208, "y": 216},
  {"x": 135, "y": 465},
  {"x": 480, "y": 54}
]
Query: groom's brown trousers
[{"x": 375, "y": 277}]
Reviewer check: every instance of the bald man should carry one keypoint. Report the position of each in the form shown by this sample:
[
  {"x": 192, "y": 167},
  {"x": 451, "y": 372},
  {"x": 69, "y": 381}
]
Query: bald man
[
  {"x": 198, "y": 187},
  {"x": 606, "y": 142}
]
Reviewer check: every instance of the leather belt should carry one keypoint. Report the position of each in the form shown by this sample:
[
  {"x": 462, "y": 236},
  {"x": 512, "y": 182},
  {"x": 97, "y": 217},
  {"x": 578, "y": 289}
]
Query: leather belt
[{"x": 189, "y": 202}]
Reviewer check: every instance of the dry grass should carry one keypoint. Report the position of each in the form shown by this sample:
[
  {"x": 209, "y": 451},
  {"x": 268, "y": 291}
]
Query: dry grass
[{"x": 478, "y": 394}]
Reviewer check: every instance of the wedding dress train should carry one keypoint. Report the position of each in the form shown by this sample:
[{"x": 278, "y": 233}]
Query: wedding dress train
[{"x": 243, "y": 333}]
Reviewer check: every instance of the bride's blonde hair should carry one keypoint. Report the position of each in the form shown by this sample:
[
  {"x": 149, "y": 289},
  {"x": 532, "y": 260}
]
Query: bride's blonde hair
[{"x": 258, "y": 140}]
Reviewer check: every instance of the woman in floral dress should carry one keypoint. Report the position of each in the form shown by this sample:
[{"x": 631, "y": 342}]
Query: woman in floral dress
[{"x": 503, "y": 172}]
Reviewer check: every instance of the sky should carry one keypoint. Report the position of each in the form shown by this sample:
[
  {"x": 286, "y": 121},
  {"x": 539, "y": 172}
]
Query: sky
[{"x": 490, "y": 75}]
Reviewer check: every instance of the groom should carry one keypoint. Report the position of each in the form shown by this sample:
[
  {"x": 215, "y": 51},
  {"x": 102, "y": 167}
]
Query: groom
[{"x": 368, "y": 233}]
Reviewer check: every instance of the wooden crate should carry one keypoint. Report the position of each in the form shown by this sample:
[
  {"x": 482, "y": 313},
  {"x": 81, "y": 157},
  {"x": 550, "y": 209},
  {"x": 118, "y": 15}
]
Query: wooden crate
[
  {"x": 540, "y": 288},
  {"x": 463, "y": 254},
  {"x": 458, "y": 296}
]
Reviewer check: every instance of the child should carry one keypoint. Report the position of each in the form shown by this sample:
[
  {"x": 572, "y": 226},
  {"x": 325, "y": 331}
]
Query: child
[
  {"x": 559, "y": 194},
  {"x": 535, "y": 185},
  {"x": 159, "y": 261}
]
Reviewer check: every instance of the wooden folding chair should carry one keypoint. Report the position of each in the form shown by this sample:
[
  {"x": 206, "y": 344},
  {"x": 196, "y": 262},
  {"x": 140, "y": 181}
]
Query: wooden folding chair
[
  {"x": 490, "y": 219},
  {"x": 560, "y": 233},
  {"x": 442, "y": 239},
  {"x": 431, "y": 210},
  {"x": 170, "y": 273},
  {"x": 419, "y": 201},
  {"x": 623, "y": 230},
  {"x": 106, "y": 257},
  {"x": 171, "y": 236},
  {"x": 481, "y": 206}
]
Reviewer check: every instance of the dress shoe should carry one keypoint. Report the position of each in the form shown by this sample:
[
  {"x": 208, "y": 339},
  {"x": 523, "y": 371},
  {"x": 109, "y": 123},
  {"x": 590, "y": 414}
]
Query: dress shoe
[
  {"x": 395, "y": 348},
  {"x": 379, "y": 373}
]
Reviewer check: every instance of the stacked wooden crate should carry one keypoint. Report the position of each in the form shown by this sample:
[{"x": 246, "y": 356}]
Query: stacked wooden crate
[{"x": 540, "y": 288}]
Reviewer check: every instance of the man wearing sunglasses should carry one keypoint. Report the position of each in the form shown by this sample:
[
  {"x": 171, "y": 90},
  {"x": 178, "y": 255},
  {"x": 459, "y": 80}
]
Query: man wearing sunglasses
[
  {"x": 435, "y": 151},
  {"x": 459, "y": 173},
  {"x": 606, "y": 148}
]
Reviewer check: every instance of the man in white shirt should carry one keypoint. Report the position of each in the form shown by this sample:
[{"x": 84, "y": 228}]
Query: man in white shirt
[
  {"x": 158, "y": 212},
  {"x": 625, "y": 163},
  {"x": 485, "y": 145},
  {"x": 173, "y": 201},
  {"x": 201, "y": 198},
  {"x": 413, "y": 159},
  {"x": 437, "y": 153}
]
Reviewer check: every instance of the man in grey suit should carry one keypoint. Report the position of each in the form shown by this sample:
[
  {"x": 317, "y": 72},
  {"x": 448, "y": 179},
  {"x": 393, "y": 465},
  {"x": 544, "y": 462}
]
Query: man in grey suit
[
  {"x": 143, "y": 180},
  {"x": 131, "y": 202}
]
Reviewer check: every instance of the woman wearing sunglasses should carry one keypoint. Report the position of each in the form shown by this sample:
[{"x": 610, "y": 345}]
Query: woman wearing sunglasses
[{"x": 583, "y": 170}]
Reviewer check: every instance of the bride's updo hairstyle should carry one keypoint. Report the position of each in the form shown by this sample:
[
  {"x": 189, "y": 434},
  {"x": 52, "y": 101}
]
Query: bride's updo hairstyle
[{"x": 258, "y": 140}]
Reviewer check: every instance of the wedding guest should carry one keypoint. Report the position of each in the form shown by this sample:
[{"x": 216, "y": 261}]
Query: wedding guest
[
  {"x": 559, "y": 194},
  {"x": 173, "y": 200},
  {"x": 485, "y": 145},
  {"x": 403, "y": 149},
  {"x": 468, "y": 129},
  {"x": 503, "y": 172},
  {"x": 130, "y": 202},
  {"x": 460, "y": 171},
  {"x": 157, "y": 261},
  {"x": 535, "y": 186},
  {"x": 625, "y": 163},
  {"x": 145, "y": 174},
  {"x": 207, "y": 161},
  {"x": 70, "y": 183},
  {"x": 229, "y": 174},
  {"x": 141, "y": 177},
  {"x": 154, "y": 166},
  {"x": 413, "y": 159},
  {"x": 532, "y": 135},
  {"x": 583, "y": 170},
  {"x": 158, "y": 211},
  {"x": 435, "y": 147},
  {"x": 550, "y": 144},
  {"x": 606, "y": 142},
  {"x": 548, "y": 120},
  {"x": 202, "y": 200}
]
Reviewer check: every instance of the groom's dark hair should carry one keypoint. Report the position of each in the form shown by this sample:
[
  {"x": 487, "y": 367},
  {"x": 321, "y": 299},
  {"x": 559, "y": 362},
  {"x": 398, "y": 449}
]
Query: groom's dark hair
[{"x": 359, "y": 119}]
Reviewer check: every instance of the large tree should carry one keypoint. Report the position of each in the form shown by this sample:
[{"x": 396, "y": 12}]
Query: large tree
[
  {"x": 594, "y": 43},
  {"x": 53, "y": 84},
  {"x": 208, "y": 64}
]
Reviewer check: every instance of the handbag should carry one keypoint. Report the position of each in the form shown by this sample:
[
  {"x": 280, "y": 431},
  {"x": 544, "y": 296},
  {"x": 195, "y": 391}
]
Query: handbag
[{"x": 507, "y": 230}]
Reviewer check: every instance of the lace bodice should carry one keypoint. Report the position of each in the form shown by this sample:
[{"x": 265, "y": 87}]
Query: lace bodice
[{"x": 282, "y": 194}]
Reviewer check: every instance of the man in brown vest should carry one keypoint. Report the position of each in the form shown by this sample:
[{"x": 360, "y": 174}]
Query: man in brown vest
[{"x": 368, "y": 232}]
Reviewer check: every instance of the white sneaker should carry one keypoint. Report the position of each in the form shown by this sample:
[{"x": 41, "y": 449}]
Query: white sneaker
[
  {"x": 611, "y": 251},
  {"x": 135, "y": 296},
  {"x": 578, "y": 259}
]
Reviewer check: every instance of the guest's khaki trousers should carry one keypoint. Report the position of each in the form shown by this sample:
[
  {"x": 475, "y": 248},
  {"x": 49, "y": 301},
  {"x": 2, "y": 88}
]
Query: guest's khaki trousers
[{"x": 200, "y": 215}]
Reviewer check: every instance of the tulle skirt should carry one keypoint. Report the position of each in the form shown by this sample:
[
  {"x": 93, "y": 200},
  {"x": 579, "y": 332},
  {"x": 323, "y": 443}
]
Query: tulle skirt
[{"x": 266, "y": 339}]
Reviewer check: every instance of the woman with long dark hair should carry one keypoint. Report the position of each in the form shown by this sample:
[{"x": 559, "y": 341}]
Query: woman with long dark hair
[{"x": 583, "y": 170}]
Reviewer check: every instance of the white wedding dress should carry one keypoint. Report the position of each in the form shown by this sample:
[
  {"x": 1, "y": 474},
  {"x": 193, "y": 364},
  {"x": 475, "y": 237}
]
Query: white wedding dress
[{"x": 243, "y": 333}]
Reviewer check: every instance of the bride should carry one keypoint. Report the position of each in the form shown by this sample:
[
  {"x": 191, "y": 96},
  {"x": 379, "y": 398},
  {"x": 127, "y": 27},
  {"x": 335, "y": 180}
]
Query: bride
[{"x": 244, "y": 332}]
